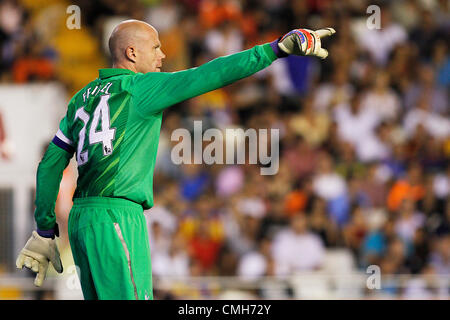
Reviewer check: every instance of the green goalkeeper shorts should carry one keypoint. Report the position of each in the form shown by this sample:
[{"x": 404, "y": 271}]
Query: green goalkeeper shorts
[{"x": 110, "y": 247}]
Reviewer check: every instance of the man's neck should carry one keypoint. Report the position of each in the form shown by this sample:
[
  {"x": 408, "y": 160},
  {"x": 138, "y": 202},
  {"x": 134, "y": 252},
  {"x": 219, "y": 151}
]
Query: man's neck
[{"x": 128, "y": 66}]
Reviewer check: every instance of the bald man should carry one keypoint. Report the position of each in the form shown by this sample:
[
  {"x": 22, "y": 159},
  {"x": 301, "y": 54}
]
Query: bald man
[{"x": 113, "y": 125}]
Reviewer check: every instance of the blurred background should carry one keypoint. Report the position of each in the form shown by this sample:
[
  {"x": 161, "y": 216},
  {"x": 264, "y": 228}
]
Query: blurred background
[{"x": 364, "y": 175}]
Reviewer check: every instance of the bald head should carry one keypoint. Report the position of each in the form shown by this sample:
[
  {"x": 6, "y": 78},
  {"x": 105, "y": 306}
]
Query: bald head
[{"x": 135, "y": 45}]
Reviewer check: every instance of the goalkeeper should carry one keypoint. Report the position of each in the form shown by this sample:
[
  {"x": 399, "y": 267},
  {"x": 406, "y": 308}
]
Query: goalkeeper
[{"x": 112, "y": 126}]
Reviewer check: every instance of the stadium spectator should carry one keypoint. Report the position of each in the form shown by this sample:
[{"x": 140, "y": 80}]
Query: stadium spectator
[
  {"x": 321, "y": 224},
  {"x": 411, "y": 187},
  {"x": 171, "y": 263},
  {"x": 255, "y": 264},
  {"x": 381, "y": 98},
  {"x": 204, "y": 249},
  {"x": 427, "y": 89},
  {"x": 338, "y": 91},
  {"x": 296, "y": 248},
  {"x": 409, "y": 220},
  {"x": 389, "y": 33},
  {"x": 310, "y": 124},
  {"x": 356, "y": 124},
  {"x": 11, "y": 36},
  {"x": 440, "y": 256},
  {"x": 356, "y": 230},
  {"x": 327, "y": 183},
  {"x": 433, "y": 123}
]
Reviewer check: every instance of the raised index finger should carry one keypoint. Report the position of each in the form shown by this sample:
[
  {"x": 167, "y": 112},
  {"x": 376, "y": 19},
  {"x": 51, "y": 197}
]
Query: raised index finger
[{"x": 326, "y": 32}]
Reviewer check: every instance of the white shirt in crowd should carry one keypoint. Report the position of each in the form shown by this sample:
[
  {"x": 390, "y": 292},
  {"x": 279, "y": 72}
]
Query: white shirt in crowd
[
  {"x": 359, "y": 130},
  {"x": 168, "y": 224},
  {"x": 221, "y": 43},
  {"x": 386, "y": 105},
  {"x": 355, "y": 128},
  {"x": 297, "y": 252},
  {"x": 329, "y": 186},
  {"x": 163, "y": 264},
  {"x": 441, "y": 185},
  {"x": 389, "y": 37},
  {"x": 252, "y": 206},
  {"x": 406, "y": 227},
  {"x": 436, "y": 125},
  {"x": 252, "y": 265},
  {"x": 372, "y": 149}
]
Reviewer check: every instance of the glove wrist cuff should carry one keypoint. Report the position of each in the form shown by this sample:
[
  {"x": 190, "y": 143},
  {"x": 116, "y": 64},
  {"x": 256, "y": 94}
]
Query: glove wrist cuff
[
  {"x": 50, "y": 233},
  {"x": 276, "y": 49}
]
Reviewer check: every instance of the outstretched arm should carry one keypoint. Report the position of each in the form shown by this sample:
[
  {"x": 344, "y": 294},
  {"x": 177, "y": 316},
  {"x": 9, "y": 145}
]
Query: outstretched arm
[
  {"x": 159, "y": 90},
  {"x": 156, "y": 91}
]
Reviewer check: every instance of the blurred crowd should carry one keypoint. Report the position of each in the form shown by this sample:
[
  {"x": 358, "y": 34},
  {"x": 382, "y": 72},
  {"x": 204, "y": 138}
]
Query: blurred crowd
[{"x": 364, "y": 134}]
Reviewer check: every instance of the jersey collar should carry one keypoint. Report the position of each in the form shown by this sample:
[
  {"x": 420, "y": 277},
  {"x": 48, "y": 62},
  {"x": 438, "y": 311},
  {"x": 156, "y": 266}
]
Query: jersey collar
[{"x": 111, "y": 72}]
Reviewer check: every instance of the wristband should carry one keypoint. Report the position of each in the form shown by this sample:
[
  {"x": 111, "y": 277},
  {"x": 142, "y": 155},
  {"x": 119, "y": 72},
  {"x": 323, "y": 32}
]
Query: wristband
[
  {"x": 276, "y": 49},
  {"x": 50, "y": 233}
]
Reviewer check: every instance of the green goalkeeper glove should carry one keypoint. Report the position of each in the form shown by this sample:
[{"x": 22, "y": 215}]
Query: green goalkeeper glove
[
  {"x": 36, "y": 254},
  {"x": 302, "y": 42}
]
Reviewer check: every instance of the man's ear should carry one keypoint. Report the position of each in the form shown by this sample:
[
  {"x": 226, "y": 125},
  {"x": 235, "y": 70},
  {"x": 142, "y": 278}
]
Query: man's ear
[{"x": 130, "y": 52}]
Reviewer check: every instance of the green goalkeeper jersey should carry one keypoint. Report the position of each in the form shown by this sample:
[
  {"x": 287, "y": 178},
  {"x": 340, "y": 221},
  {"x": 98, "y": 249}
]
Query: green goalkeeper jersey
[{"x": 113, "y": 126}]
